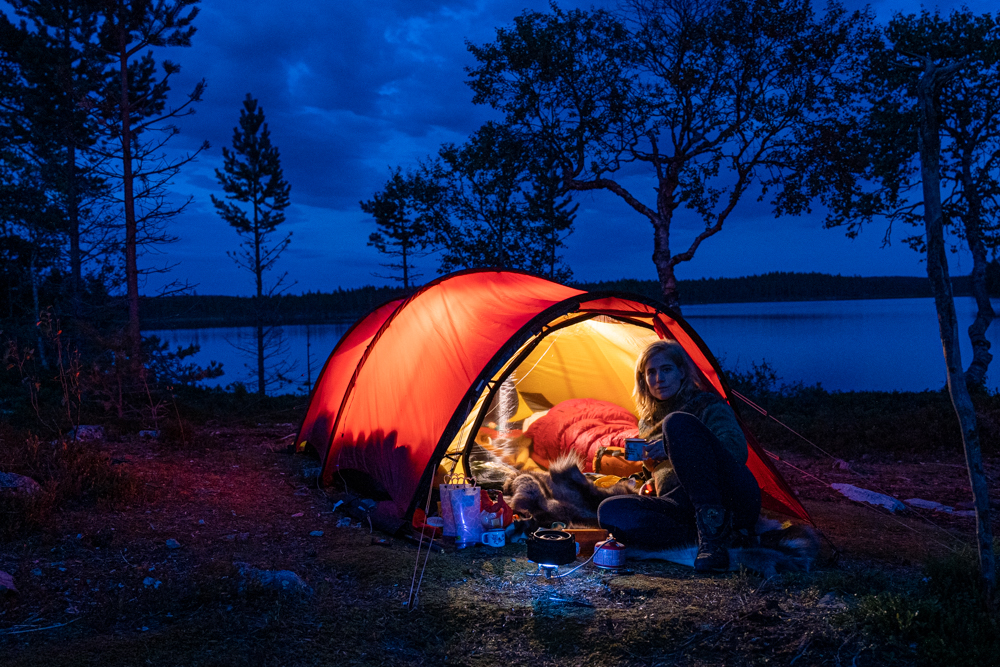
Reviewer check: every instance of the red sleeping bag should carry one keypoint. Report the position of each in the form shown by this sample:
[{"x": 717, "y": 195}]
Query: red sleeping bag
[{"x": 580, "y": 425}]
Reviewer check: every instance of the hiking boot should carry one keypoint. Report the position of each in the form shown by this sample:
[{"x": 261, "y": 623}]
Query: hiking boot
[{"x": 714, "y": 533}]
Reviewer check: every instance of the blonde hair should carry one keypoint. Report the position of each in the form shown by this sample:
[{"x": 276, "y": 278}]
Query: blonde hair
[{"x": 645, "y": 402}]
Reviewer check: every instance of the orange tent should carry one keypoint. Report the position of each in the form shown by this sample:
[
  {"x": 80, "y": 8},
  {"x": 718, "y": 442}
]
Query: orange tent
[{"x": 405, "y": 392}]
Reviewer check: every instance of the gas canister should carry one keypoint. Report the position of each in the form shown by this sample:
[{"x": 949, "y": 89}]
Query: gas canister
[{"x": 609, "y": 554}]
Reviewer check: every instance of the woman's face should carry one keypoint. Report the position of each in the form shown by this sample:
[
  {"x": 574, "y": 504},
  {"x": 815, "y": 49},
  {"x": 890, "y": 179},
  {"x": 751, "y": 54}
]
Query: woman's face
[{"x": 663, "y": 377}]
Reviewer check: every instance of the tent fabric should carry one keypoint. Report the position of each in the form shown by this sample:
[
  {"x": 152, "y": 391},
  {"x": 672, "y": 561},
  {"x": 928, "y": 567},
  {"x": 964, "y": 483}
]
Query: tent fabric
[
  {"x": 414, "y": 377},
  {"x": 335, "y": 376}
]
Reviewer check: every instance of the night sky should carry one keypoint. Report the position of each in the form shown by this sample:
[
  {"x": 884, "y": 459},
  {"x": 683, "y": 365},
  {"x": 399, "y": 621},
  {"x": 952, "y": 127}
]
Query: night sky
[{"x": 351, "y": 91}]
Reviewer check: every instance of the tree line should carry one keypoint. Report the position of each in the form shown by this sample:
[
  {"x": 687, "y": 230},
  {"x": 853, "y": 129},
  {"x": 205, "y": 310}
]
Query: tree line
[{"x": 347, "y": 305}]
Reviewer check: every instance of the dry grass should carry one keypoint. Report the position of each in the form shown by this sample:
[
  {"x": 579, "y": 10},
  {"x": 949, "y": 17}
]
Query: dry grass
[{"x": 237, "y": 496}]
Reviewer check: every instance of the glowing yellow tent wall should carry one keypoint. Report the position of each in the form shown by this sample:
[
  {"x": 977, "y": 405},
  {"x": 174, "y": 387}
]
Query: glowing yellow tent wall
[{"x": 406, "y": 389}]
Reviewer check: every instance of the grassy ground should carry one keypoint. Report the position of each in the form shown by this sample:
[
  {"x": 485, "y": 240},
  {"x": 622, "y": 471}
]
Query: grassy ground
[{"x": 99, "y": 584}]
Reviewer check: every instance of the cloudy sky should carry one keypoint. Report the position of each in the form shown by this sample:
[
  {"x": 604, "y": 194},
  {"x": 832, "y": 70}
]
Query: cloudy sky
[{"x": 354, "y": 88}]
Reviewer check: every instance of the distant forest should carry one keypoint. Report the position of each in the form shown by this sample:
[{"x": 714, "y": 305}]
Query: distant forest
[{"x": 197, "y": 311}]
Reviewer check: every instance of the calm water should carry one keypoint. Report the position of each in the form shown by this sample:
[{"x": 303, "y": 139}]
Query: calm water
[{"x": 883, "y": 344}]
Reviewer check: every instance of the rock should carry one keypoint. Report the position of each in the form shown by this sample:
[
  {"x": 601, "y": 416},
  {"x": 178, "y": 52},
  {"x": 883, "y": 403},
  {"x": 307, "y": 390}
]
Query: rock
[
  {"x": 87, "y": 433},
  {"x": 316, "y": 533},
  {"x": 285, "y": 581},
  {"x": 927, "y": 505},
  {"x": 6, "y": 583},
  {"x": 149, "y": 581},
  {"x": 830, "y": 601},
  {"x": 14, "y": 483},
  {"x": 311, "y": 474},
  {"x": 870, "y": 497},
  {"x": 173, "y": 544},
  {"x": 841, "y": 464}
]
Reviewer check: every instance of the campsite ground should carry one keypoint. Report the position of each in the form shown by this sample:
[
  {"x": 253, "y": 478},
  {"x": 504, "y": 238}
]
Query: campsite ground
[{"x": 100, "y": 584}]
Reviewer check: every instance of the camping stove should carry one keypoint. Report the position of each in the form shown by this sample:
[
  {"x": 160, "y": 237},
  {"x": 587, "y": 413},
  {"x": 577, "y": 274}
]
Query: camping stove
[{"x": 550, "y": 549}]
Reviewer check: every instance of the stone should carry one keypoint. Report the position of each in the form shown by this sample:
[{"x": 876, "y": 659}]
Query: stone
[
  {"x": 85, "y": 433},
  {"x": 870, "y": 497},
  {"x": 927, "y": 505},
  {"x": 13, "y": 483},
  {"x": 285, "y": 581},
  {"x": 831, "y": 601},
  {"x": 6, "y": 583},
  {"x": 173, "y": 544}
]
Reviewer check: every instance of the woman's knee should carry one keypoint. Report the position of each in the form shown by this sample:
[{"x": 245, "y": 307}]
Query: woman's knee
[{"x": 681, "y": 429}]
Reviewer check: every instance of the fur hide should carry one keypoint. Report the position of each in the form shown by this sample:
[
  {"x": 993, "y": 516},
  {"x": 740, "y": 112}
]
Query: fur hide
[
  {"x": 561, "y": 494},
  {"x": 775, "y": 548}
]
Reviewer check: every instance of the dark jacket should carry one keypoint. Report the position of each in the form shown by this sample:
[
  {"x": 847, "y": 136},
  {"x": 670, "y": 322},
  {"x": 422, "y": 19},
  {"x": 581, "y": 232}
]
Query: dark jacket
[{"x": 714, "y": 413}]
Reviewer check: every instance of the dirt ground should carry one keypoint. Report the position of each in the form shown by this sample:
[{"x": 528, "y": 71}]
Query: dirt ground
[{"x": 169, "y": 578}]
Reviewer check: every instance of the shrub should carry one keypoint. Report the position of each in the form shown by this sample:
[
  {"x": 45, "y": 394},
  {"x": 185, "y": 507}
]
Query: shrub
[
  {"x": 69, "y": 472},
  {"x": 946, "y": 616}
]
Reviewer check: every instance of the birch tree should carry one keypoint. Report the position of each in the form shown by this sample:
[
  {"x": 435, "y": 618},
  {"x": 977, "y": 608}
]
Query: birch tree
[
  {"x": 693, "y": 100},
  {"x": 879, "y": 153}
]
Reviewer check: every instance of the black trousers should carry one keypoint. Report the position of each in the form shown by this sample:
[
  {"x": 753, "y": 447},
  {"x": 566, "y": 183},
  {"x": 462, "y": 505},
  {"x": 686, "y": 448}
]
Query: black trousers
[{"x": 708, "y": 475}]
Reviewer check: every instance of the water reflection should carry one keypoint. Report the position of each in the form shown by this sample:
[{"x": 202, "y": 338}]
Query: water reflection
[{"x": 879, "y": 344}]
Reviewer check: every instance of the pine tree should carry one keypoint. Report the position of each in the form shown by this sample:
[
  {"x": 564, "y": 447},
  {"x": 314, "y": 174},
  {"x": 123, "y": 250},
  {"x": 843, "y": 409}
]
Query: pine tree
[
  {"x": 256, "y": 197},
  {"x": 407, "y": 212},
  {"x": 134, "y": 108},
  {"x": 58, "y": 69}
]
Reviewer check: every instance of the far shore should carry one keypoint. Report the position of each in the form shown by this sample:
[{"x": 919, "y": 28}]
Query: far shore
[{"x": 343, "y": 307}]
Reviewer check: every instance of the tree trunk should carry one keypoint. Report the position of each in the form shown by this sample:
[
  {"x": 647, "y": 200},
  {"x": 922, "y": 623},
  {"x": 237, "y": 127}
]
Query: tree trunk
[
  {"x": 258, "y": 310},
  {"x": 73, "y": 215},
  {"x": 132, "y": 332},
  {"x": 664, "y": 267},
  {"x": 975, "y": 375},
  {"x": 37, "y": 308},
  {"x": 406, "y": 268},
  {"x": 929, "y": 143},
  {"x": 72, "y": 197}
]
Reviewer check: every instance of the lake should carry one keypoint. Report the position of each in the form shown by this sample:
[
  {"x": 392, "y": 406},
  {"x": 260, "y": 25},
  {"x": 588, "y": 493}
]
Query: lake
[{"x": 876, "y": 344}]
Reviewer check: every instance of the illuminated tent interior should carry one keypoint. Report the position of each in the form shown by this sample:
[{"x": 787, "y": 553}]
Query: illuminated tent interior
[{"x": 409, "y": 388}]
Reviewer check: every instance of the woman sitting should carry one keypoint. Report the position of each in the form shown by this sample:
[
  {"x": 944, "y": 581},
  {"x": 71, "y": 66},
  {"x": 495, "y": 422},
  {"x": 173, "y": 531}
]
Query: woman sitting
[{"x": 700, "y": 486}]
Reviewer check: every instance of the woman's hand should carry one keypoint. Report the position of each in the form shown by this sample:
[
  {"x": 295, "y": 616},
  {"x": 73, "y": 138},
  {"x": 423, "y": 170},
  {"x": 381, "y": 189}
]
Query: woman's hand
[{"x": 655, "y": 450}]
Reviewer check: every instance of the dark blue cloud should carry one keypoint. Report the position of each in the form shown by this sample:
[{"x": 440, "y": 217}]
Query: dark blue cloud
[{"x": 352, "y": 89}]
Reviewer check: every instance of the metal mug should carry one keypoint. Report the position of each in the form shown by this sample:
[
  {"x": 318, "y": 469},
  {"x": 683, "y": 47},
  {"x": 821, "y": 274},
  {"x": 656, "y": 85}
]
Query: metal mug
[
  {"x": 635, "y": 449},
  {"x": 493, "y": 538}
]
